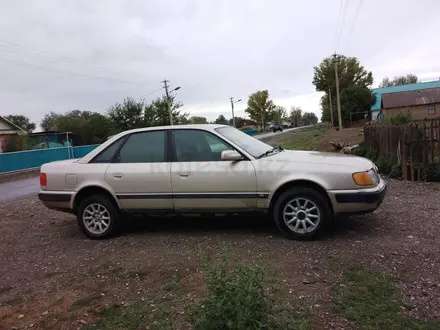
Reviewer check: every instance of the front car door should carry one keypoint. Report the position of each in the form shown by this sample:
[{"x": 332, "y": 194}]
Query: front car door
[
  {"x": 201, "y": 181},
  {"x": 140, "y": 173}
]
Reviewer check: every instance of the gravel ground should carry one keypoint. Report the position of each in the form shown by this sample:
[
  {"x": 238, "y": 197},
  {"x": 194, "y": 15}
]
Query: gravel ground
[{"x": 48, "y": 266}]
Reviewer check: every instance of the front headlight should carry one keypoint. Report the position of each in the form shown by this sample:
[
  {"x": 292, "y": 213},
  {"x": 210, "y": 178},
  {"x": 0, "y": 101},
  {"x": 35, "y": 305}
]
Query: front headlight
[{"x": 366, "y": 178}]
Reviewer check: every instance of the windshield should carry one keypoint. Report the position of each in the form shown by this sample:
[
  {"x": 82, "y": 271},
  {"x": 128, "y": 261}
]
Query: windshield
[{"x": 246, "y": 142}]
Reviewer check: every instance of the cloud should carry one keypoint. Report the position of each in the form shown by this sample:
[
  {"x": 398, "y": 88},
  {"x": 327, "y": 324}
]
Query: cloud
[{"x": 64, "y": 55}]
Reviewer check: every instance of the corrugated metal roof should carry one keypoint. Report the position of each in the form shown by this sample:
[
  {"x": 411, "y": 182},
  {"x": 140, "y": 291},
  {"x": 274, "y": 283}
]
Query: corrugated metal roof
[
  {"x": 401, "y": 88},
  {"x": 411, "y": 98}
]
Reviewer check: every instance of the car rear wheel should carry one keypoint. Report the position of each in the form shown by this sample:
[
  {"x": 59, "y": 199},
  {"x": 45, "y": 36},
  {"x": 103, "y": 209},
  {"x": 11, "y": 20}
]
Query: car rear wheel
[
  {"x": 98, "y": 217},
  {"x": 301, "y": 213}
]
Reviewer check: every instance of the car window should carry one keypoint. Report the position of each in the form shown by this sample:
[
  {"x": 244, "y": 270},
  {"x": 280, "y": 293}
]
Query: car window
[
  {"x": 248, "y": 143},
  {"x": 145, "y": 147},
  {"x": 106, "y": 155},
  {"x": 198, "y": 146}
]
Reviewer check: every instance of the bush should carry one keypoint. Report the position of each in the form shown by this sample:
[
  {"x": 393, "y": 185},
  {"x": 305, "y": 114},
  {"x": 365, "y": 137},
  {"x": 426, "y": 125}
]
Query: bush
[
  {"x": 16, "y": 143},
  {"x": 432, "y": 174},
  {"x": 404, "y": 117}
]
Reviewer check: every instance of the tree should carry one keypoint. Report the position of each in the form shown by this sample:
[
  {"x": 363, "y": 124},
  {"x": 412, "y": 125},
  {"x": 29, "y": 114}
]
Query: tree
[
  {"x": 157, "y": 113},
  {"x": 48, "y": 122},
  {"x": 351, "y": 74},
  {"x": 400, "y": 80},
  {"x": 260, "y": 108},
  {"x": 221, "y": 120},
  {"x": 136, "y": 114},
  {"x": 22, "y": 122},
  {"x": 280, "y": 114},
  {"x": 295, "y": 116},
  {"x": 355, "y": 102},
  {"x": 127, "y": 115},
  {"x": 309, "y": 118},
  {"x": 198, "y": 120},
  {"x": 91, "y": 127}
]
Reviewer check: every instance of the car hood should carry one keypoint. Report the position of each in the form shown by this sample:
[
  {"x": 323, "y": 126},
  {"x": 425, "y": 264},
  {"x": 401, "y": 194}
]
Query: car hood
[{"x": 316, "y": 157}]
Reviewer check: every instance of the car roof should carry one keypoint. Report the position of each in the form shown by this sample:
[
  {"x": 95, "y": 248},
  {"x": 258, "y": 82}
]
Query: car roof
[{"x": 168, "y": 127}]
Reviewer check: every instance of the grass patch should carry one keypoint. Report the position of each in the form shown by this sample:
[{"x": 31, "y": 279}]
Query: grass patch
[
  {"x": 241, "y": 298},
  {"x": 84, "y": 302},
  {"x": 370, "y": 300},
  {"x": 155, "y": 316},
  {"x": 305, "y": 140}
]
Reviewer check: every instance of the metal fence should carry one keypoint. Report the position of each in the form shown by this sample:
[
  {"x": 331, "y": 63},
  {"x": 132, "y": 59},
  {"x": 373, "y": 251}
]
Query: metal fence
[{"x": 32, "y": 159}]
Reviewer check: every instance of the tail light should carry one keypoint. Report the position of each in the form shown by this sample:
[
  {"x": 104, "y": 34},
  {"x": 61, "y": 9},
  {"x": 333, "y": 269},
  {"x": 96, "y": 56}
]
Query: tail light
[{"x": 43, "y": 179}]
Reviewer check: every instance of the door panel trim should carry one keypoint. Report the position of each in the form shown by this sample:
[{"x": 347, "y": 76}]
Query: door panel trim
[{"x": 194, "y": 196}]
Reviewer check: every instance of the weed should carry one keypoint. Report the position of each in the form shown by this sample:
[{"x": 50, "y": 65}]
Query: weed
[
  {"x": 369, "y": 300},
  {"x": 237, "y": 298},
  {"x": 203, "y": 260}
]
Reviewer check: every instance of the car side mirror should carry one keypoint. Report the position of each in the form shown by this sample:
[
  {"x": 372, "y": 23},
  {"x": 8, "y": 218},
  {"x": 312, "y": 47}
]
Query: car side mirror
[{"x": 231, "y": 155}]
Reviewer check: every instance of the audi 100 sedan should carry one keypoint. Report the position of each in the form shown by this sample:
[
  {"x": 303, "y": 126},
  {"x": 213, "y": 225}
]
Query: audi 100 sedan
[{"x": 208, "y": 169}]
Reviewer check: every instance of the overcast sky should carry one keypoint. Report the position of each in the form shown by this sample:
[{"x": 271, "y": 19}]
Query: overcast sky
[{"x": 52, "y": 52}]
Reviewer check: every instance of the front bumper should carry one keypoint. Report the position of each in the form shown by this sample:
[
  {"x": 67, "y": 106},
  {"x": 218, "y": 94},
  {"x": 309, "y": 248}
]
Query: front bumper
[{"x": 358, "y": 201}]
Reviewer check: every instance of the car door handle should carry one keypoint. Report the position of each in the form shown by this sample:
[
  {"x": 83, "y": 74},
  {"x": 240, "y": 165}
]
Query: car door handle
[
  {"x": 184, "y": 175},
  {"x": 118, "y": 175}
]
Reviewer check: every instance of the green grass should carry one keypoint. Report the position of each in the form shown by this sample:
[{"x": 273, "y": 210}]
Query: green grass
[
  {"x": 240, "y": 297},
  {"x": 139, "y": 315},
  {"x": 370, "y": 301},
  {"x": 304, "y": 140}
]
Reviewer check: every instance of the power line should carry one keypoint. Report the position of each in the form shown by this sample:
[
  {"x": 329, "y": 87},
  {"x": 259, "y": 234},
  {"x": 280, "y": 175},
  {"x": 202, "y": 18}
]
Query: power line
[
  {"x": 344, "y": 12},
  {"x": 42, "y": 68},
  {"x": 152, "y": 92},
  {"x": 7, "y": 46},
  {"x": 337, "y": 24},
  {"x": 356, "y": 15}
]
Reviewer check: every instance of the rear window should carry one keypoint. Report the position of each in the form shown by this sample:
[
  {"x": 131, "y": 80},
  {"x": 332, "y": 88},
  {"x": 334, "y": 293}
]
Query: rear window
[{"x": 107, "y": 154}]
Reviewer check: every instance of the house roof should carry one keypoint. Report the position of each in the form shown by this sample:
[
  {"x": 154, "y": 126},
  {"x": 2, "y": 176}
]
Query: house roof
[
  {"x": 410, "y": 98},
  {"x": 379, "y": 92},
  {"x": 13, "y": 126}
]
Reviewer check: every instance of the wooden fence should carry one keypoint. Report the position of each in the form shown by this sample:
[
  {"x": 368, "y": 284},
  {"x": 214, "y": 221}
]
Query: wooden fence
[{"x": 415, "y": 145}]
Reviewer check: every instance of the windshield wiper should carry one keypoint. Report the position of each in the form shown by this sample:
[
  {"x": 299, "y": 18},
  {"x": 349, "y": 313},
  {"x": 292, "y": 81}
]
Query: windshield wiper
[{"x": 268, "y": 152}]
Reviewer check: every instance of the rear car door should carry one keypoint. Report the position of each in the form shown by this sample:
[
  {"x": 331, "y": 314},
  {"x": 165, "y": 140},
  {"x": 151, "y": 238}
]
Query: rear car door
[
  {"x": 201, "y": 181},
  {"x": 140, "y": 173}
]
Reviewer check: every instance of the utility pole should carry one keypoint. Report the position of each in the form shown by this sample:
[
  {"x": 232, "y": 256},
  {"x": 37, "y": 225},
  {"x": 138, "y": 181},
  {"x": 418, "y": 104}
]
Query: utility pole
[
  {"x": 331, "y": 106},
  {"x": 338, "y": 101},
  {"x": 165, "y": 85},
  {"x": 232, "y": 106},
  {"x": 233, "y": 116}
]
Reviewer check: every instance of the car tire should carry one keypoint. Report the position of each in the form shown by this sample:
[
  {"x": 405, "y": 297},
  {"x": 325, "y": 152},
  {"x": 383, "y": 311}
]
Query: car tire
[
  {"x": 317, "y": 211},
  {"x": 98, "y": 217}
]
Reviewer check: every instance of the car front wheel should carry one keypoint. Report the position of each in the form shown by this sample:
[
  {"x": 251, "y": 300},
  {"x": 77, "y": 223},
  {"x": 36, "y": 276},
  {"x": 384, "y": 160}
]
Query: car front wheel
[
  {"x": 301, "y": 213},
  {"x": 98, "y": 217}
]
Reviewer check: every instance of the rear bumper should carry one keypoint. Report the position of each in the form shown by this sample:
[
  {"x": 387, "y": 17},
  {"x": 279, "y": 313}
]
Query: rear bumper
[
  {"x": 59, "y": 201},
  {"x": 358, "y": 201}
]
